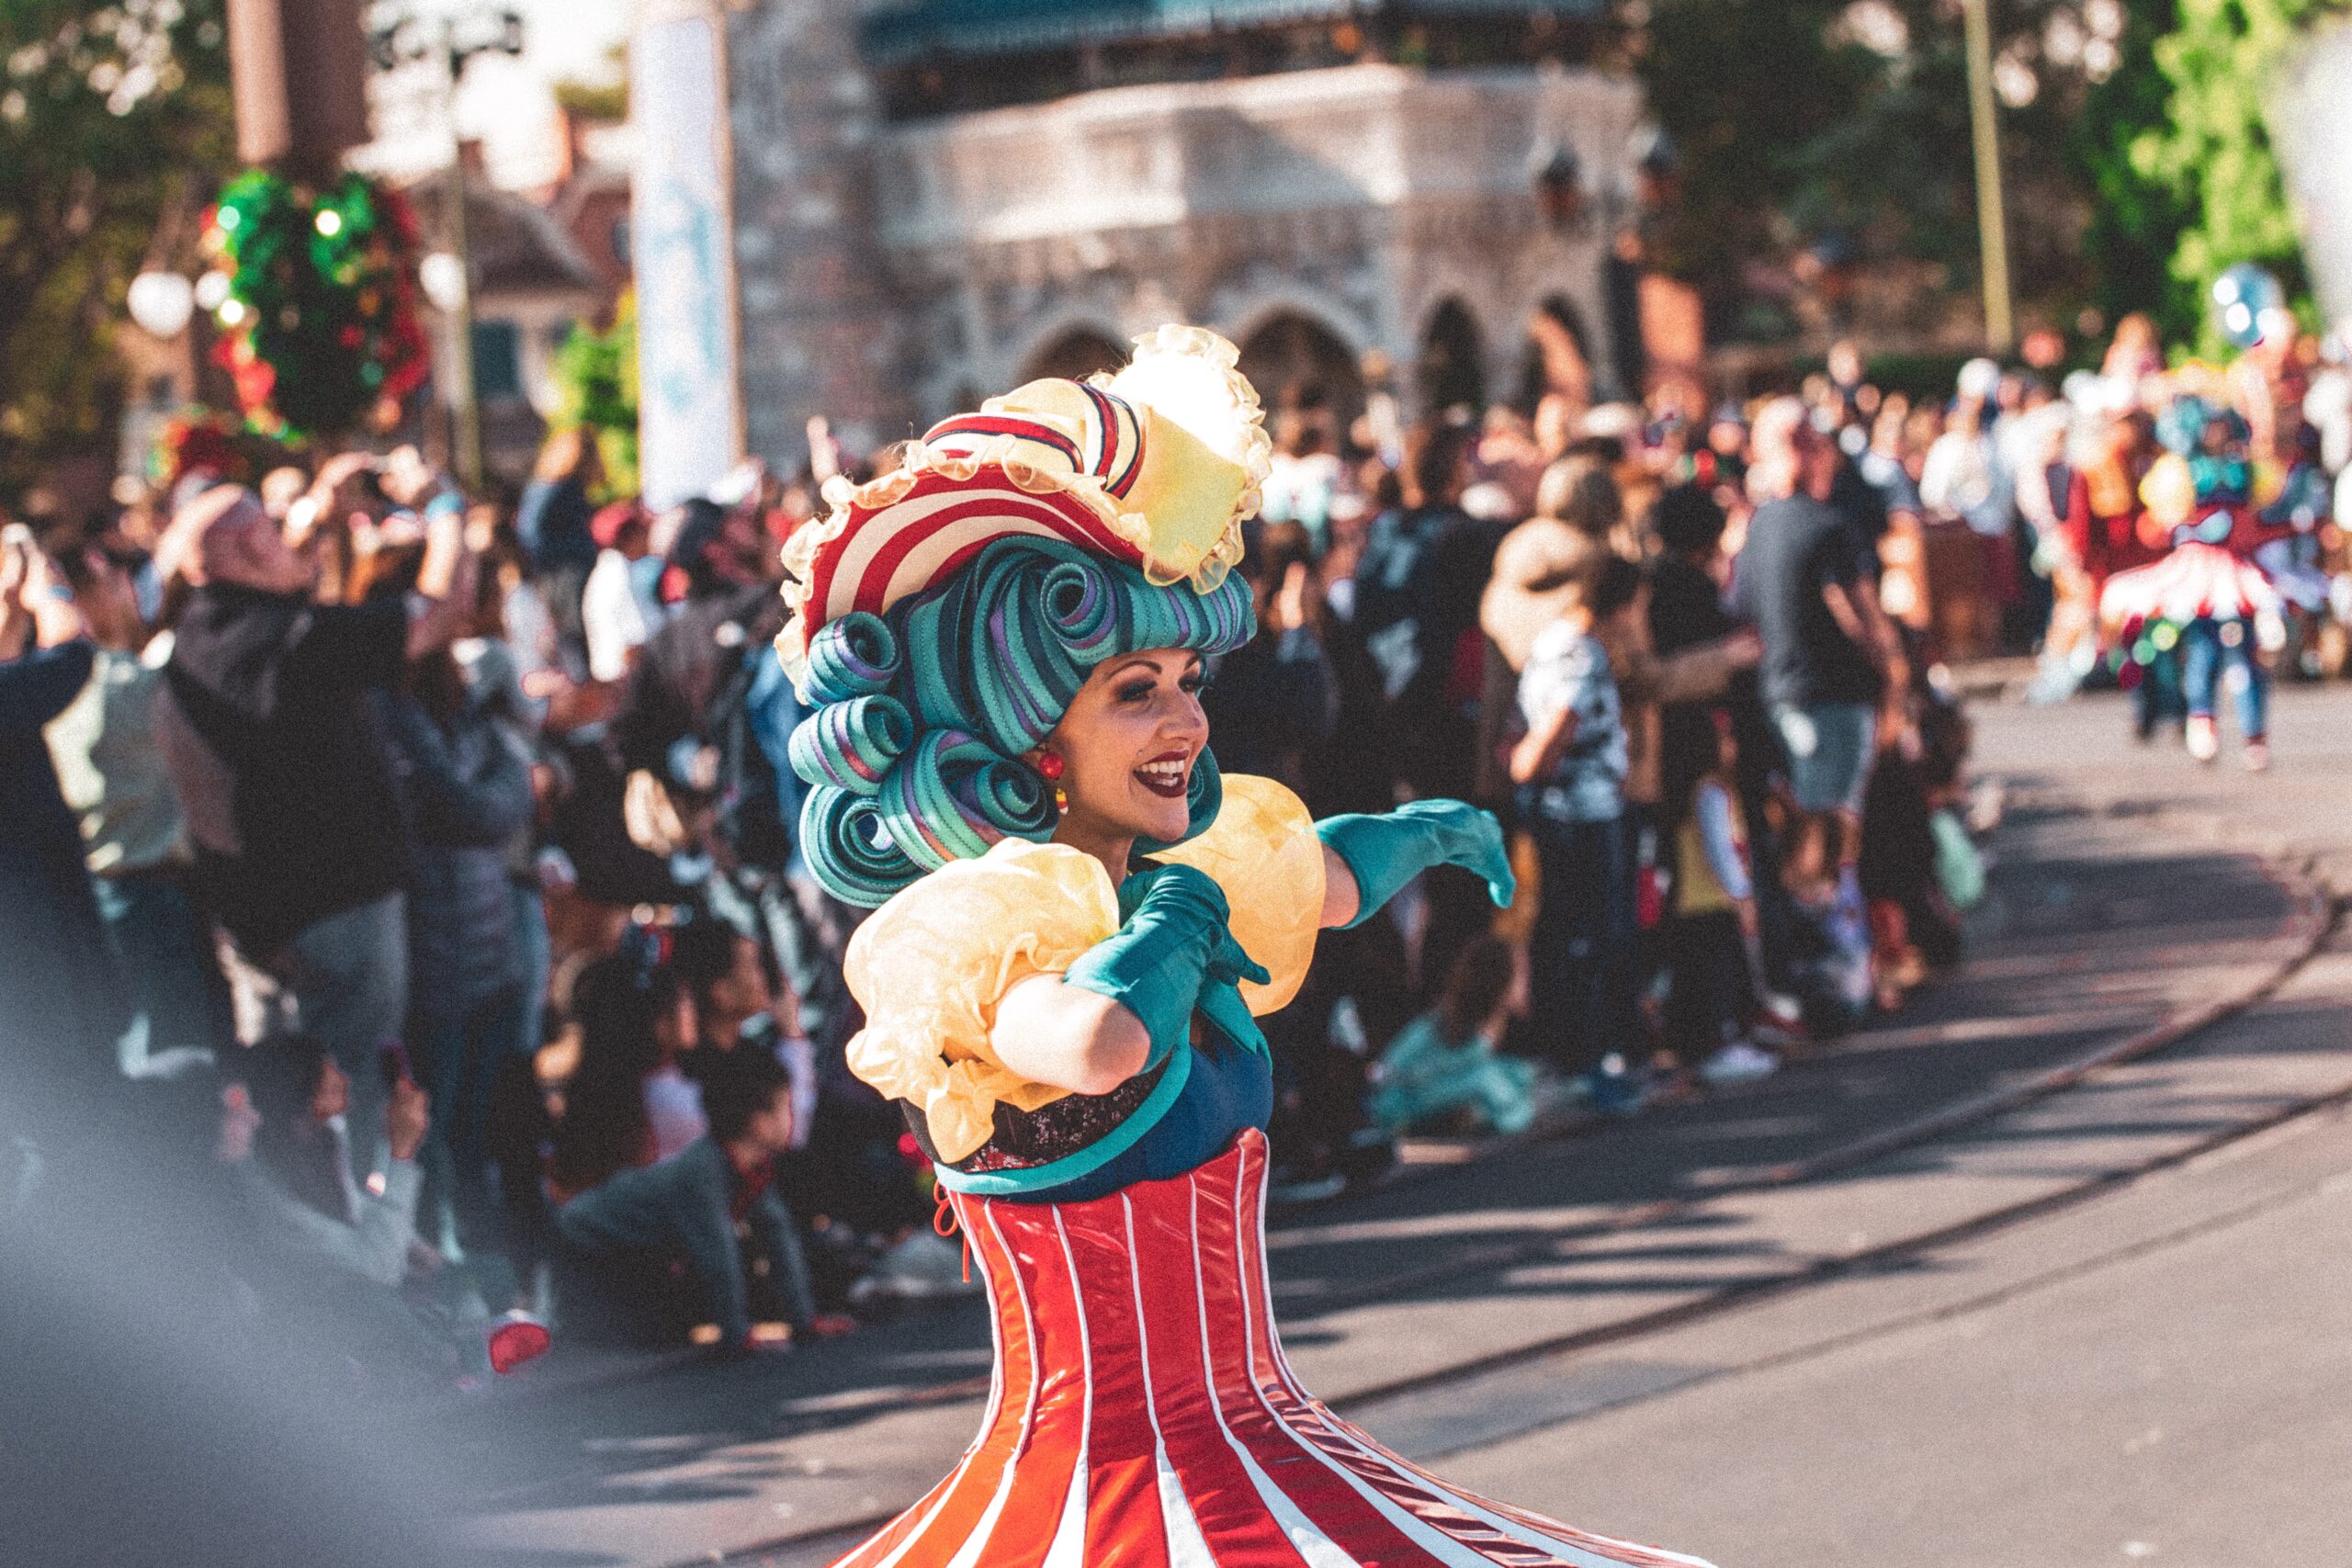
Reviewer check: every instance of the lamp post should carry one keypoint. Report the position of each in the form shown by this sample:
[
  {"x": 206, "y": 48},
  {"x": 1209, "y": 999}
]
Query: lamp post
[
  {"x": 1992, "y": 218},
  {"x": 455, "y": 40}
]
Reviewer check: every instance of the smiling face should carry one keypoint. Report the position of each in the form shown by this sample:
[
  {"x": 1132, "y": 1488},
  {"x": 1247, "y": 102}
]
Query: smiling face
[{"x": 1128, "y": 745}]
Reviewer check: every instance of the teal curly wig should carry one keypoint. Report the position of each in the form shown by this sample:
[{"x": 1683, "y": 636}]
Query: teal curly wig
[{"x": 914, "y": 756}]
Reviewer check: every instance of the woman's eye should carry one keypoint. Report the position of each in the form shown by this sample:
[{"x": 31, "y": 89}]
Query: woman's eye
[
  {"x": 1135, "y": 692},
  {"x": 1195, "y": 684}
]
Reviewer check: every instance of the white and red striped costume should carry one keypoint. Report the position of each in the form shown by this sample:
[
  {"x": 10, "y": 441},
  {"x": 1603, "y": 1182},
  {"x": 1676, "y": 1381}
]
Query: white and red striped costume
[{"x": 1143, "y": 1413}]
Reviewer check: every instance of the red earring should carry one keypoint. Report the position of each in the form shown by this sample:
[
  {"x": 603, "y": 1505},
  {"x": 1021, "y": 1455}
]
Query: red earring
[{"x": 1050, "y": 766}]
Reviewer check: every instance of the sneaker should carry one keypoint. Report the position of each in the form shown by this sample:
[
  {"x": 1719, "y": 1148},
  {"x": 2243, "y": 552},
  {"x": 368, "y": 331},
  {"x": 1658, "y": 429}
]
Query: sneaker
[
  {"x": 1739, "y": 1063},
  {"x": 1621, "y": 1093},
  {"x": 2257, "y": 756},
  {"x": 513, "y": 1340},
  {"x": 2203, "y": 740}
]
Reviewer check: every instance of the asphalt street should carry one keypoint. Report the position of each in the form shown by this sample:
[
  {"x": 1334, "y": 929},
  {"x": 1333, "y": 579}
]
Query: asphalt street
[{"x": 2003, "y": 1279}]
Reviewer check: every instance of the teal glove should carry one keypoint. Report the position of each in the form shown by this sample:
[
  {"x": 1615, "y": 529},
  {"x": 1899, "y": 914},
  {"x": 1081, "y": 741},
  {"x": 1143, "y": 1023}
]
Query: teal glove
[
  {"x": 1388, "y": 851},
  {"x": 1172, "y": 945}
]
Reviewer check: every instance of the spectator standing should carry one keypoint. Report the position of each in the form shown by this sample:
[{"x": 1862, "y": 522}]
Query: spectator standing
[
  {"x": 1570, "y": 768},
  {"x": 621, "y": 606},
  {"x": 1274, "y": 699},
  {"x": 1412, "y": 729},
  {"x": 1825, "y": 641},
  {"x": 110, "y": 763},
  {"x": 273, "y": 735},
  {"x": 465, "y": 776},
  {"x": 59, "y": 1016},
  {"x": 551, "y": 522},
  {"x": 1714, "y": 941}
]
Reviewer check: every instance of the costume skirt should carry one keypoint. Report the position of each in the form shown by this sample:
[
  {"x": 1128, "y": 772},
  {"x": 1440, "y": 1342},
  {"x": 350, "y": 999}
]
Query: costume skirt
[
  {"x": 1143, "y": 1413},
  {"x": 2194, "y": 581}
]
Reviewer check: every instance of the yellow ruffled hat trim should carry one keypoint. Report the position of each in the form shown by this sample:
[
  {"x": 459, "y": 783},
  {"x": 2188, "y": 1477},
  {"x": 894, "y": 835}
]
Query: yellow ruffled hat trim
[
  {"x": 1171, "y": 465},
  {"x": 930, "y": 966}
]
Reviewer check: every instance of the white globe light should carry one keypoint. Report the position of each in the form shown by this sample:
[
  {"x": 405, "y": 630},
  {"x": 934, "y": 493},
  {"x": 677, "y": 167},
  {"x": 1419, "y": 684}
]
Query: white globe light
[
  {"x": 161, "y": 302},
  {"x": 444, "y": 277},
  {"x": 210, "y": 289}
]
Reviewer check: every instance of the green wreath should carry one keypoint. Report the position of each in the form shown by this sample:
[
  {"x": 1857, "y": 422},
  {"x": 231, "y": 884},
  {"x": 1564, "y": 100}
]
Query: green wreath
[{"x": 320, "y": 328}]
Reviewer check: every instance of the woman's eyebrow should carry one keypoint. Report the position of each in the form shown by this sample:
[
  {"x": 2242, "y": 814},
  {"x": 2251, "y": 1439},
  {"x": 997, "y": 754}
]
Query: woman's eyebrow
[{"x": 1133, "y": 659}]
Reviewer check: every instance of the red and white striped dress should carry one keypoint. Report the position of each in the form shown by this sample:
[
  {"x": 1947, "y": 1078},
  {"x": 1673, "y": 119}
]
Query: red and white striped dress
[{"x": 1143, "y": 1413}]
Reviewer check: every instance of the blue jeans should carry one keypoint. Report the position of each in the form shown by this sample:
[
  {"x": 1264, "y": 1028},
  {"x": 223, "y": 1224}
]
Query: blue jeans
[
  {"x": 173, "y": 987},
  {"x": 2220, "y": 654},
  {"x": 1580, "y": 953}
]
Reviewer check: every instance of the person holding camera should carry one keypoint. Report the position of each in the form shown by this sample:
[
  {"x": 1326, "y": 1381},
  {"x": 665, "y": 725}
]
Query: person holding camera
[
  {"x": 272, "y": 731},
  {"x": 59, "y": 1014}
]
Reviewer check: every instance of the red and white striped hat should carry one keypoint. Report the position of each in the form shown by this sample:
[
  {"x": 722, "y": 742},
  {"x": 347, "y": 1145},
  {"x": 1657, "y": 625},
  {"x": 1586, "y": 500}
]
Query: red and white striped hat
[{"x": 1157, "y": 465}]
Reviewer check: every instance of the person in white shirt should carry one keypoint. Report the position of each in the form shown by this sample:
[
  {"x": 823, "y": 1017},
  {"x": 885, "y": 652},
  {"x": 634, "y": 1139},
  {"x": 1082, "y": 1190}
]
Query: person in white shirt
[{"x": 621, "y": 607}]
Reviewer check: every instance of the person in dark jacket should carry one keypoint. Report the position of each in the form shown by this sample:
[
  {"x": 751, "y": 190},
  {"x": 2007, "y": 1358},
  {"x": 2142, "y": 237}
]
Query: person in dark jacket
[
  {"x": 58, "y": 1015},
  {"x": 274, "y": 738},
  {"x": 468, "y": 781},
  {"x": 1275, "y": 700}
]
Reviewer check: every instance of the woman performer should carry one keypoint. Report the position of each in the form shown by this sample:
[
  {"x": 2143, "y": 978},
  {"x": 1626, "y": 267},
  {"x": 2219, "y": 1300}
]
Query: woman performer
[
  {"x": 1079, "y": 922},
  {"x": 2206, "y": 595}
]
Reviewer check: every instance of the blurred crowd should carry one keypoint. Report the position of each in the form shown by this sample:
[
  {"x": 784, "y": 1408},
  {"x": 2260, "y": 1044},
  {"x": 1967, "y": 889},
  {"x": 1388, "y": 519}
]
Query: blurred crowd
[{"x": 428, "y": 860}]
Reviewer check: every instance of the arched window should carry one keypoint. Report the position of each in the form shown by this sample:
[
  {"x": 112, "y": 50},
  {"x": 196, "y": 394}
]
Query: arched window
[
  {"x": 1297, "y": 363},
  {"x": 1558, "y": 356},
  {"x": 1452, "y": 372},
  {"x": 1073, "y": 355}
]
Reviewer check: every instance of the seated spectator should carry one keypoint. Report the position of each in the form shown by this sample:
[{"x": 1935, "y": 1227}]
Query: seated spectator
[
  {"x": 286, "y": 1137},
  {"x": 627, "y": 1103},
  {"x": 652, "y": 1252},
  {"x": 1442, "y": 1072},
  {"x": 738, "y": 1003}
]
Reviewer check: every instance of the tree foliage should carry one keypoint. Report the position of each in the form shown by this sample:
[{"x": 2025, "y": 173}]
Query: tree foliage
[
  {"x": 2135, "y": 222},
  {"x": 2210, "y": 152},
  {"x": 112, "y": 117},
  {"x": 595, "y": 376},
  {"x": 1844, "y": 125}
]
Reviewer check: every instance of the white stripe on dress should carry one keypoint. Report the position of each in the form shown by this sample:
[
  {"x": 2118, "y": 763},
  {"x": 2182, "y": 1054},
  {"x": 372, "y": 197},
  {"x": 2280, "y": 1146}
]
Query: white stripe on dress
[
  {"x": 1069, "y": 1548},
  {"x": 1319, "y": 1550},
  {"x": 1186, "y": 1545},
  {"x": 954, "y": 1480},
  {"x": 968, "y": 1556}
]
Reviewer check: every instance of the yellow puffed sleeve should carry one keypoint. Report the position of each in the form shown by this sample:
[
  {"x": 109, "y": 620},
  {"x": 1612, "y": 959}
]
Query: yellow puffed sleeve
[
  {"x": 930, "y": 966},
  {"x": 1262, "y": 851}
]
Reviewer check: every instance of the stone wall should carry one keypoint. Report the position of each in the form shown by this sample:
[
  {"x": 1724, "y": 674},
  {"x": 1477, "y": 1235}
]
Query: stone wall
[{"x": 890, "y": 273}]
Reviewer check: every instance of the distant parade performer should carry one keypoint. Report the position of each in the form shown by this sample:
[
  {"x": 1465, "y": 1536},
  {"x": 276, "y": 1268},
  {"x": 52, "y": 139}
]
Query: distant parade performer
[
  {"x": 1078, "y": 924},
  {"x": 2207, "y": 597}
]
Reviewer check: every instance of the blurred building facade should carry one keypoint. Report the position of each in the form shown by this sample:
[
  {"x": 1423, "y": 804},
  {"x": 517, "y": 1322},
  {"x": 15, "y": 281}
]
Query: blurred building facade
[{"x": 935, "y": 199}]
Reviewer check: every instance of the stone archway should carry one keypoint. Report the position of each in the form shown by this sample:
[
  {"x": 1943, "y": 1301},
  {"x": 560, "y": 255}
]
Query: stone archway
[
  {"x": 1298, "y": 363},
  {"x": 1558, "y": 357},
  {"x": 1450, "y": 368},
  {"x": 1073, "y": 354}
]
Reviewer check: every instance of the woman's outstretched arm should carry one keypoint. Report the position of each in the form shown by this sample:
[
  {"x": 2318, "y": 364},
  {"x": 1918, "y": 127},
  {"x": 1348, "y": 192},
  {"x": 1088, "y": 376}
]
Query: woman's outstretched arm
[{"x": 1052, "y": 1032}]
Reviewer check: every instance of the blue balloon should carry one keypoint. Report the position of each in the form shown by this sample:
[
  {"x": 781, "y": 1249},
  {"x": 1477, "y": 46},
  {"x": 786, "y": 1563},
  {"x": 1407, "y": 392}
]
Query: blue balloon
[{"x": 2243, "y": 295}]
